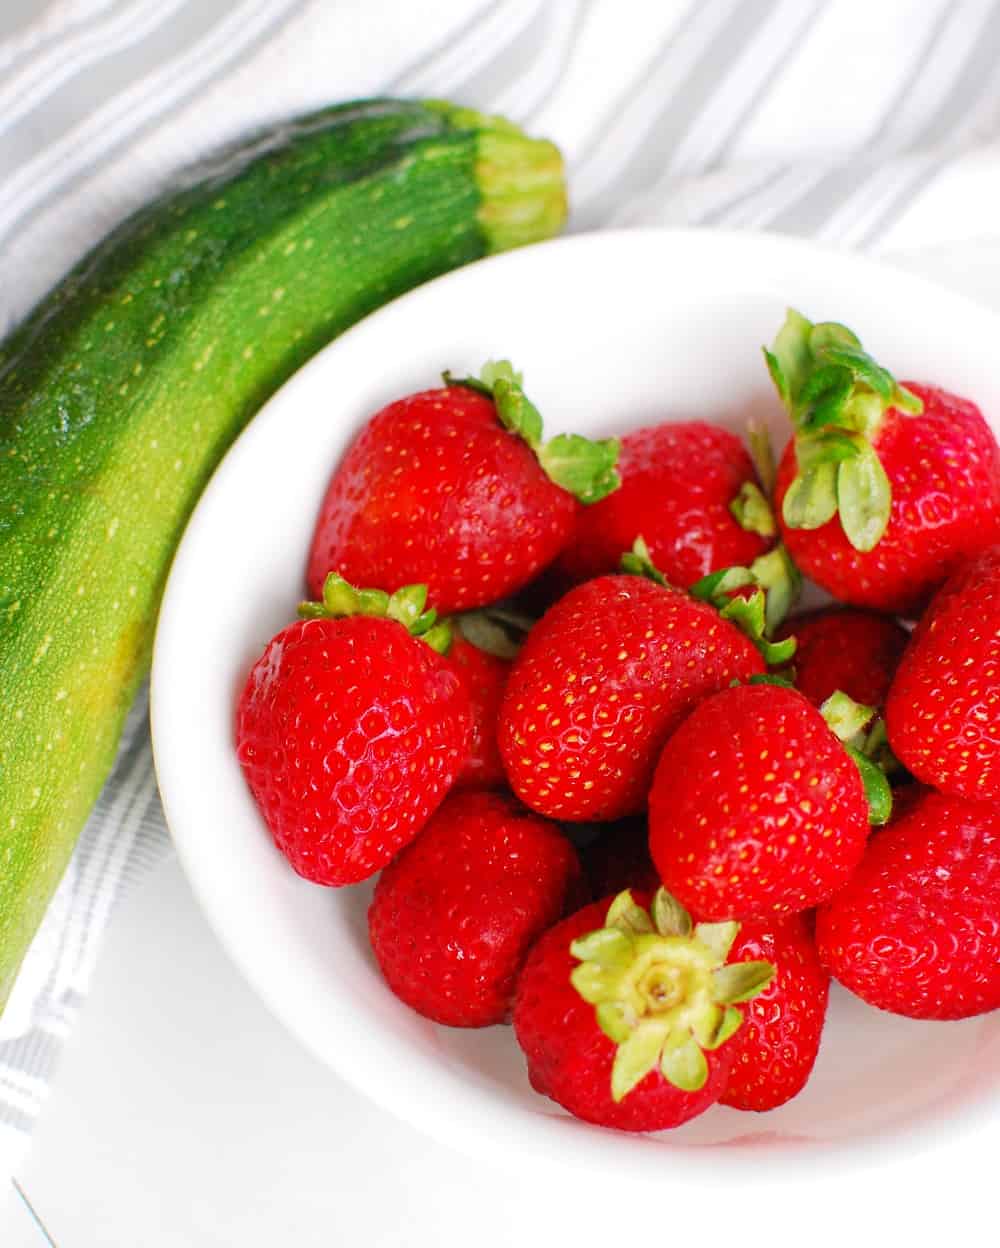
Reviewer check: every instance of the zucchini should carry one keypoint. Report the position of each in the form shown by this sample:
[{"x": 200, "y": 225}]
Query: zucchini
[{"x": 121, "y": 391}]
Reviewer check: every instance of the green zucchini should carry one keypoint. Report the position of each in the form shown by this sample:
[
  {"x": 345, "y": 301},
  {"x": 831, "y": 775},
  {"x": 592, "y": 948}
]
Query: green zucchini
[{"x": 121, "y": 391}]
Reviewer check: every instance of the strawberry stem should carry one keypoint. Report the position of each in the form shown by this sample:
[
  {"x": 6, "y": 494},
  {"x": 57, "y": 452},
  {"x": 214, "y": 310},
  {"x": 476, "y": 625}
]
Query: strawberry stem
[
  {"x": 406, "y": 606},
  {"x": 662, "y": 990},
  {"x": 847, "y": 720},
  {"x": 584, "y": 468},
  {"x": 836, "y": 396}
]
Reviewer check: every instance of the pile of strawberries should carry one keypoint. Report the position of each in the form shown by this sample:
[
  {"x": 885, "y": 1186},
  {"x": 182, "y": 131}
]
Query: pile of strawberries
[{"x": 648, "y": 826}]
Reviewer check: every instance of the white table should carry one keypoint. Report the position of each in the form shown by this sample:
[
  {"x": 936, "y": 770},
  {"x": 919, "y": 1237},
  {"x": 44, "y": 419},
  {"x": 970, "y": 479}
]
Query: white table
[{"x": 183, "y": 1115}]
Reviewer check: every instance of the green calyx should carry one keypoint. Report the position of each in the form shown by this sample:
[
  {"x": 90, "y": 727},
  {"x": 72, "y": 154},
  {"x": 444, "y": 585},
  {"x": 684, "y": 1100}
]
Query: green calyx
[
  {"x": 406, "y": 606},
  {"x": 662, "y": 990},
  {"x": 521, "y": 180},
  {"x": 752, "y": 511},
  {"x": 848, "y": 721},
  {"x": 583, "y": 468},
  {"x": 495, "y": 630},
  {"x": 751, "y": 508},
  {"x": 639, "y": 562},
  {"x": 836, "y": 396},
  {"x": 776, "y": 583}
]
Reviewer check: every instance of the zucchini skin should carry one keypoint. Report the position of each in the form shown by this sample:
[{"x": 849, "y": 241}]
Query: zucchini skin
[{"x": 122, "y": 390}]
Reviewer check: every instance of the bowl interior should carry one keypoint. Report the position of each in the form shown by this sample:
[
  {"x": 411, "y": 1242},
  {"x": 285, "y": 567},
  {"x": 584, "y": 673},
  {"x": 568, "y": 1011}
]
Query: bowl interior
[{"x": 612, "y": 331}]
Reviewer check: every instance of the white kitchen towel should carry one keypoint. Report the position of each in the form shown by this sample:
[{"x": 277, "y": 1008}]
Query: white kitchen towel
[{"x": 874, "y": 125}]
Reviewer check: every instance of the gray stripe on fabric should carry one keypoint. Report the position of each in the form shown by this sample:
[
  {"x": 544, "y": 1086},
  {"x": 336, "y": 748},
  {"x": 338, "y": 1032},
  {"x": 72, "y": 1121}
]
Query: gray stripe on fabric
[
  {"x": 749, "y": 107},
  {"x": 970, "y": 83},
  {"x": 36, "y": 1057},
  {"x": 978, "y": 72},
  {"x": 18, "y": 16},
  {"x": 156, "y": 53},
  {"x": 826, "y": 197},
  {"x": 917, "y": 70},
  {"x": 722, "y": 211},
  {"x": 690, "y": 18},
  {"x": 427, "y": 59},
  {"x": 769, "y": 83},
  {"x": 902, "y": 198},
  {"x": 566, "y": 54},
  {"x": 12, "y": 1117},
  {"x": 807, "y": 213},
  {"x": 509, "y": 62},
  {"x": 107, "y": 818},
  {"x": 664, "y": 134},
  {"x": 104, "y": 839},
  {"x": 96, "y": 81},
  {"x": 149, "y": 848},
  {"x": 37, "y": 81}
]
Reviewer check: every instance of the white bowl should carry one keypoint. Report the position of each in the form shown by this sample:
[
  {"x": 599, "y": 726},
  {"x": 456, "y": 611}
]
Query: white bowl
[{"x": 612, "y": 330}]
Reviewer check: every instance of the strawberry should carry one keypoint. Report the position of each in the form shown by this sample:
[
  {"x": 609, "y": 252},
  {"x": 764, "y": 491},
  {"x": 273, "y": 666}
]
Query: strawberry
[
  {"x": 618, "y": 858},
  {"x": 351, "y": 729},
  {"x": 841, "y": 648},
  {"x": 775, "y": 1049},
  {"x": 455, "y": 913},
  {"x": 625, "y": 1014},
  {"x": 943, "y": 712},
  {"x": 885, "y": 488},
  {"x": 484, "y": 676},
  {"x": 603, "y": 679},
  {"x": 915, "y": 930},
  {"x": 454, "y": 488},
  {"x": 680, "y": 483},
  {"x": 756, "y": 808}
]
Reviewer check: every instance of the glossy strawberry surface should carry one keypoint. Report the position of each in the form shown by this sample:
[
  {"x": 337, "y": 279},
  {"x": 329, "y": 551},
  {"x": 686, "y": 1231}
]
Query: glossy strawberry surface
[
  {"x": 485, "y": 677},
  {"x": 943, "y": 712},
  {"x": 603, "y": 679},
  {"x": 944, "y": 469},
  {"x": 678, "y": 481},
  {"x": 435, "y": 491},
  {"x": 775, "y": 1049},
  {"x": 455, "y": 913},
  {"x": 570, "y": 1059},
  {"x": 843, "y": 648},
  {"x": 756, "y": 809},
  {"x": 916, "y": 930},
  {"x": 350, "y": 733}
]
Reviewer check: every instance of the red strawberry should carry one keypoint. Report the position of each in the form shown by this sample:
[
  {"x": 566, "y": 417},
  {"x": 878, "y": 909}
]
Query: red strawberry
[
  {"x": 840, "y": 648},
  {"x": 603, "y": 679},
  {"x": 943, "y": 712},
  {"x": 485, "y": 676},
  {"x": 454, "y": 488},
  {"x": 618, "y": 858},
  {"x": 455, "y": 913},
  {"x": 350, "y": 731},
  {"x": 679, "y": 483},
  {"x": 776, "y": 1048},
  {"x": 886, "y": 488},
  {"x": 679, "y": 486},
  {"x": 916, "y": 930},
  {"x": 625, "y": 1017},
  {"x": 756, "y": 808}
]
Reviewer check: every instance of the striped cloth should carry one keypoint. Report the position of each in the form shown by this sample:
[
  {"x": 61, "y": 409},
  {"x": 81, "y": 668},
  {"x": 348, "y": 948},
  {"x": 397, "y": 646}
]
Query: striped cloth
[{"x": 873, "y": 125}]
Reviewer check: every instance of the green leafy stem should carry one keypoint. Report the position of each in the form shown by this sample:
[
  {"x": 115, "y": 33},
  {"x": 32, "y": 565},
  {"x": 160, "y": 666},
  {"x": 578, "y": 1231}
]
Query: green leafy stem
[
  {"x": 848, "y": 721},
  {"x": 662, "y": 989},
  {"x": 585, "y": 468},
  {"x": 836, "y": 395},
  {"x": 407, "y": 606}
]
